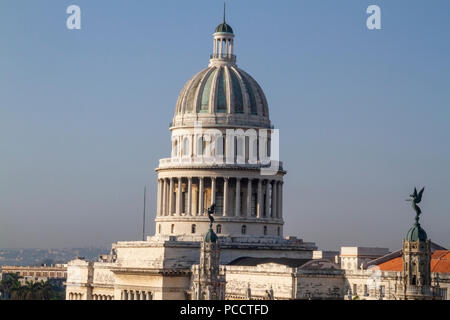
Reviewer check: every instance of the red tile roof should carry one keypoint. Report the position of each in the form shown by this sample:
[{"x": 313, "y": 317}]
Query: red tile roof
[{"x": 440, "y": 262}]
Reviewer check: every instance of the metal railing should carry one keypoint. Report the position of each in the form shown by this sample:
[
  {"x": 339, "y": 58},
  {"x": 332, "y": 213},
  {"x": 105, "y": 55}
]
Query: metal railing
[
  {"x": 215, "y": 162},
  {"x": 223, "y": 56}
]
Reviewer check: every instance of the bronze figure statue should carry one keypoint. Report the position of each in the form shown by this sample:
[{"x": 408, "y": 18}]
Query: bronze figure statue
[
  {"x": 416, "y": 198},
  {"x": 211, "y": 211}
]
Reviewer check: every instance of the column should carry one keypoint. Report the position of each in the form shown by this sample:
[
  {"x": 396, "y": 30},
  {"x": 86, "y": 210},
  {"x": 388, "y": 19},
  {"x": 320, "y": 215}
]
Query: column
[
  {"x": 274, "y": 211},
  {"x": 195, "y": 200},
  {"x": 158, "y": 202},
  {"x": 164, "y": 197},
  {"x": 179, "y": 199},
  {"x": 267, "y": 211},
  {"x": 213, "y": 191},
  {"x": 201, "y": 195},
  {"x": 238, "y": 197},
  {"x": 189, "y": 204},
  {"x": 161, "y": 198},
  {"x": 170, "y": 197},
  {"x": 249, "y": 197},
  {"x": 260, "y": 200},
  {"x": 280, "y": 201},
  {"x": 225, "y": 197}
]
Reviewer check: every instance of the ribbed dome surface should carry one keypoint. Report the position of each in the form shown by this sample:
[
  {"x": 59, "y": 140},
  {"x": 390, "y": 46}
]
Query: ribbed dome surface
[
  {"x": 223, "y": 90},
  {"x": 211, "y": 237},
  {"x": 416, "y": 233},
  {"x": 224, "y": 28}
]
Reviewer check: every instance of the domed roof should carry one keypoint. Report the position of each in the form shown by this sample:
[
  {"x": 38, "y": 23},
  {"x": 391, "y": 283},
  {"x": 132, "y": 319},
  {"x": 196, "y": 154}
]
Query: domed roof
[
  {"x": 416, "y": 233},
  {"x": 223, "y": 90},
  {"x": 224, "y": 28},
  {"x": 211, "y": 237}
]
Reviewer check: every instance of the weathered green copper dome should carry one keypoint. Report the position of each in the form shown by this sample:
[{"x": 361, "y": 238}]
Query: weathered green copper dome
[
  {"x": 416, "y": 233},
  {"x": 211, "y": 237},
  {"x": 224, "y": 28}
]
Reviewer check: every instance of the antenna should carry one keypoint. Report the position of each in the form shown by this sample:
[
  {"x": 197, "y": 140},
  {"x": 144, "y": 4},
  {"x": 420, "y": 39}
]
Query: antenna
[{"x": 143, "y": 218}]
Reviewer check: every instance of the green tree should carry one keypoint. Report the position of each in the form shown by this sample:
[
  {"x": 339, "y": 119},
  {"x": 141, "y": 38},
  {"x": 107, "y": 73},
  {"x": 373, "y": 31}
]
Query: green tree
[{"x": 8, "y": 285}]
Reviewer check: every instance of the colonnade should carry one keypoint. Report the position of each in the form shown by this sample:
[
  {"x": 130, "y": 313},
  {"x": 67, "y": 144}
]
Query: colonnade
[
  {"x": 102, "y": 297},
  {"x": 223, "y": 46},
  {"x": 233, "y": 196},
  {"x": 75, "y": 296},
  {"x": 136, "y": 295}
]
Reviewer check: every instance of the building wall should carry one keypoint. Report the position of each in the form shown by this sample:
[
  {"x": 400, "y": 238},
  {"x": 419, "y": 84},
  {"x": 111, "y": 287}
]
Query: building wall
[
  {"x": 353, "y": 257},
  {"x": 261, "y": 278},
  {"x": 320, "y": 285},
  {"x": 41, "y": 272},
  {"x": 368, "y": 283}
]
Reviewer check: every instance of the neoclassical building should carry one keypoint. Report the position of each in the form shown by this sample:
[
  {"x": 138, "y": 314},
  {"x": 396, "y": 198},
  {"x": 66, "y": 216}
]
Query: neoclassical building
[
  {"x": 225, "y": 153},
  {"x": 221, "y": 141}
]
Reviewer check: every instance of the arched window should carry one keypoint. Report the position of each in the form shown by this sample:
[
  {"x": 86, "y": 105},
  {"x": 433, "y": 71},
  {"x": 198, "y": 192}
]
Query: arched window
[
  {"x": 219, "y": 228},
  {"x": 279, "y": 231},
  {"x": 199, "y": 145},
  {"x": 159, "y": 228},
  {"x": 240, "y": 148},
  {"x": 244, "y": 229},
  {"x": 172, "y": 228},
  {"x": 205, "y": 150},
  {"x": 219, "y": 143},
  {"x": 265, "y": 230},
  {"x": 186, "y": 147},
  {"x": 175, "y": 149},
  {"x": 193, "y": 228}
]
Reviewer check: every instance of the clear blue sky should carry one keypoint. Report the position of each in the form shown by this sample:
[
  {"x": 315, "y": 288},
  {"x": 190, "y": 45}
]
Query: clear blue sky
[{"x": 364, "y": 115}]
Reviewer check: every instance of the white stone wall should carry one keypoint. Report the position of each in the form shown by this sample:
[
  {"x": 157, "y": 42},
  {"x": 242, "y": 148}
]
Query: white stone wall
[
  {"x": 287, "y": 283},
  {"x": 353, "y": 257},
  {"x": 368, "y": 283},
  {"x": 79, "y": 278},
  {"x": 320, "y": 285},
  {"x": 260, "y": 278}
]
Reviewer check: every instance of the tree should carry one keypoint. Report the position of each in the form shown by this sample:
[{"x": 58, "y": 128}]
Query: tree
[
  {"x": 12, "y": 289},
  {"x": 9, "y": 284}
]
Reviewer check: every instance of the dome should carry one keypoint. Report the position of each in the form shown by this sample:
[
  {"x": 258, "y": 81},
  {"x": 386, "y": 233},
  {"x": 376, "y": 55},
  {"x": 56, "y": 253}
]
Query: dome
[
  {"x": 416, "y": 233},
  {"x": 224, "y": 28},
  {"x": 211, "y": 237},
  {"x": 223, "y": 90}
]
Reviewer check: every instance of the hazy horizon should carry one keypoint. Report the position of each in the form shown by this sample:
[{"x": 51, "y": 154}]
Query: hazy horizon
[{"x": 364, "y": 116}]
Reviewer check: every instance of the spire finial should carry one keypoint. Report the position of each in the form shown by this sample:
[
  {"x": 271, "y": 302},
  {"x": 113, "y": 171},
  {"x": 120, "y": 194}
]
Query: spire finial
[{"x": 224, "y": 11}]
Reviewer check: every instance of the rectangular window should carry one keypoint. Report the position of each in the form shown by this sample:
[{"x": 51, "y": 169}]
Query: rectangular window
[
  {"x": 185, "y": 202},
  {"x": 219, "y": 204},
  {"x": 443, "y": 293},
  {"x": 254, "y": 202},
  {"x": 383, "y": 290}
]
